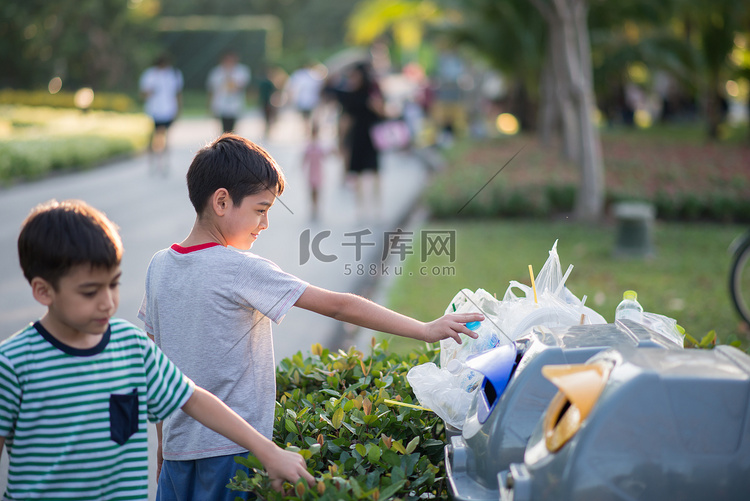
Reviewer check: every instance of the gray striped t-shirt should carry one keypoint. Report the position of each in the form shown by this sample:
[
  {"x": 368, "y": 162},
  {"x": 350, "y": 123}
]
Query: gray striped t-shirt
[
  {"x": 210, "y": 310},
  {"x": 75, "y": 420}
]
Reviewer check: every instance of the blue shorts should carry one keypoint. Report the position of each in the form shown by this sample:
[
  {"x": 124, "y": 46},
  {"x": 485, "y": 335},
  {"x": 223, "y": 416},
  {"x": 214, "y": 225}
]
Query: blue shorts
[{"x": 199, "y": 479}]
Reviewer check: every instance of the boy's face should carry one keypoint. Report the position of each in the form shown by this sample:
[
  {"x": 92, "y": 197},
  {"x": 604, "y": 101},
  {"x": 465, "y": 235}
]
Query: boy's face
[
  {"x": 85, "y": 299},
  {"x": 244, "y": 222}
]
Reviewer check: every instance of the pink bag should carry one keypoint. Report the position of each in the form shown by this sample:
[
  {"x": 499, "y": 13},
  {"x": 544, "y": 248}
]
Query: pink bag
[{"x": 390, "y": 135}]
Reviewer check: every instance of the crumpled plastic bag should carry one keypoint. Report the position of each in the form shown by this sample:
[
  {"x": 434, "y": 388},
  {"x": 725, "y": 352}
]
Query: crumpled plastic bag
[
  {"x": 450, "y": 392},
  {"x": 665, "y": 326},
  {"x": 438, "y": 390}
]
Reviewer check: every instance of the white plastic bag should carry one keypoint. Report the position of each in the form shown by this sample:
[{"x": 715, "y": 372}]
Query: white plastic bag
[
  {"x": 450, "y": 392},
  {"x": 438, "y": 390}
]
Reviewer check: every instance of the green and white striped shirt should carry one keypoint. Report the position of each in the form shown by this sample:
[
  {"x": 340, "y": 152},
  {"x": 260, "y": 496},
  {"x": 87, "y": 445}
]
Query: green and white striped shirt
[{"x": 75, "y": 420}]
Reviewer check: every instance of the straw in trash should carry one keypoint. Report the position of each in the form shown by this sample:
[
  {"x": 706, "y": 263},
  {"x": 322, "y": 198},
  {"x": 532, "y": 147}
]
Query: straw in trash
[
  {"x": 533, "y": 285},
  {"x": 404, "y": 404}
]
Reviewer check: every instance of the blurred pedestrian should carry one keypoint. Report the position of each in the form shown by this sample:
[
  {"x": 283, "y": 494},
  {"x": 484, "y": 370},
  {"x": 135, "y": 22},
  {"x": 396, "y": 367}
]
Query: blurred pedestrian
[
  {"x": 363, "y": 105},
  {"x": 267, "y": 97},
  {"x": 304, "y": 87},
  {"x": 227, "y": 84},
  {"x": 312, "y": 161},
  {"x": 161, "y": 88}
]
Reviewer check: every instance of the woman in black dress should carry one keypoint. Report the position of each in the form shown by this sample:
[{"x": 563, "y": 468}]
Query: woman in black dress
[{"x": 362, "y": 107}]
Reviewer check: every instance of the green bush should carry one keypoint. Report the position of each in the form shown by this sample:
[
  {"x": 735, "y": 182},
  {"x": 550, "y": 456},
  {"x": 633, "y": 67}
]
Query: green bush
[
  {"x": 36, "y": 141},
  {"x": 333, "y": 408}
]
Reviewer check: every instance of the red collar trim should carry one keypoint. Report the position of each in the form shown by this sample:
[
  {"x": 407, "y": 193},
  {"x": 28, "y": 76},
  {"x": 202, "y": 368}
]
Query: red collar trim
[{"x": 193, "y": 248}]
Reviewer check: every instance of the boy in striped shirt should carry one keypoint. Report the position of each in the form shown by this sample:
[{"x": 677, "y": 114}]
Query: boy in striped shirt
[{"x": 77, "y": 386}]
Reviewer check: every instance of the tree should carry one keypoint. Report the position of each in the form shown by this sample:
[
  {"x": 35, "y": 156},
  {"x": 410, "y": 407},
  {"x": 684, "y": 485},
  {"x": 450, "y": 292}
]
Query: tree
[
  {"x": 98, "y": 43},
  {"x": 511, "y": 35},
  {"x": 571, "y": 62}
]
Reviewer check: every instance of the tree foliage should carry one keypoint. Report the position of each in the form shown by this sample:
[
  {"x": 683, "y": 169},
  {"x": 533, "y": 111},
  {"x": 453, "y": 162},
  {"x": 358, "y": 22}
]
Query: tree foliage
[{"x": 98, "y": 43}]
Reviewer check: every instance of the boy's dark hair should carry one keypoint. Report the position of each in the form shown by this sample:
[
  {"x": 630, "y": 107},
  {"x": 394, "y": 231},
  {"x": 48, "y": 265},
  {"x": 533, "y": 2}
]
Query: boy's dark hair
[
  {"x": 59, "y": 235},
  {"x": 236, "y": 164}
]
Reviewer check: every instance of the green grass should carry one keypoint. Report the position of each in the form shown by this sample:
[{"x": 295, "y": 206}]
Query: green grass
[{"x": 685, "y": 280}]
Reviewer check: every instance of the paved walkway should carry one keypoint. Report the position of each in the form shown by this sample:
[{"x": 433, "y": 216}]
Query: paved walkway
[{"x": 154, "y": 212}]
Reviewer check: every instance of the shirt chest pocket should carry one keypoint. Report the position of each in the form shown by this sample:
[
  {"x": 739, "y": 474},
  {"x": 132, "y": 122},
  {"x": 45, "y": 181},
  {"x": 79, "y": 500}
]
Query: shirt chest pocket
[{"x": 123, "y": 416}]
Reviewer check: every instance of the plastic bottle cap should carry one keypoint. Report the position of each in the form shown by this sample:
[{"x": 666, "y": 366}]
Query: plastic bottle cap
[
  {"x": 630, "y": 295},
  {"x": 473, "y": 325}
]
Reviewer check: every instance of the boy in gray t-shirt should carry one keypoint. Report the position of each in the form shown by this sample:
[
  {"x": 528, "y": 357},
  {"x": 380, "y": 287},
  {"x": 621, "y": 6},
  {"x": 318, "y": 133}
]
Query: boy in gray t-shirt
[{"x": 209, "y": 307}]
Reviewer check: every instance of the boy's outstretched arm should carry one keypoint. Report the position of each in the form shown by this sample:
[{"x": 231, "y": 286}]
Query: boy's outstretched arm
[
  {"x": 281, "y": 465},
  {"x": 363, "y": 312}
]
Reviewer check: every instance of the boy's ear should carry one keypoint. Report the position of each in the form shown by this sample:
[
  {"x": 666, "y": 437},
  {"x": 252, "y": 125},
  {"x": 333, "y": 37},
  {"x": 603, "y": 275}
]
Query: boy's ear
[
  {"x": 42, "y": 291},
  {"x": 220, "y": 201}
]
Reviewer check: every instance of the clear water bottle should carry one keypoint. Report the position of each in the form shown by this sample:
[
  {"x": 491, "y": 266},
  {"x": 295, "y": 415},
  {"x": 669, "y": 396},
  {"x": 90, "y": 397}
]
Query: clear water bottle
[{"x": 629, "y": 308}]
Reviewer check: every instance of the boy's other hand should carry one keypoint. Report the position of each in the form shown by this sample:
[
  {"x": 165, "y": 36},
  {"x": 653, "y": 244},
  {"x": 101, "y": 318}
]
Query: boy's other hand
[
  {"x": 286, "y": 466},
  {"x": 451, "y": 325}
]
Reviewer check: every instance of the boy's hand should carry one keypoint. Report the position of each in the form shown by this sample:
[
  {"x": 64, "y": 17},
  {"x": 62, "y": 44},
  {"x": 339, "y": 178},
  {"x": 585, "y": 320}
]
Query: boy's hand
[
  {"x": 286, "y": 466},
  {"x": 451, "y": 325}
]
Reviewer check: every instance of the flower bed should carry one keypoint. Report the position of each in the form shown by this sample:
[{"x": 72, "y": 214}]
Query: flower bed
[{"x": 685, "y": 180}]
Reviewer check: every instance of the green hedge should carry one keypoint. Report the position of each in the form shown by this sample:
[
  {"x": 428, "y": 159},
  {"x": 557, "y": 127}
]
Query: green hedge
[
  {"x": 35, "y": 158},
  {"x": 102, "y": 100},
  {"x": 332, "y": 408},
  {"x": 36, "y": 141}
]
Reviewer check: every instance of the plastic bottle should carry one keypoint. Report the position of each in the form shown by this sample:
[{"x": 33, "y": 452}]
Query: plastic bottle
[
  {"x": 629, "y": 308},
  {"x": 487, "y": 339}
]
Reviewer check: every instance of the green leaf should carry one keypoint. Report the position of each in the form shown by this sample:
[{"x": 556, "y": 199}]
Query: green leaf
[
  {"x": 356, "y": 488},
  {"x": 411, "y": 446},
  {"x": 325, "y": 419},
  {"x": 391, "y": 458},
  {"x": 397, "y": 474},
  {"x": 391, "y": 490},
  {"x": 361, "y": 450},
  {"x": 374, "y": 453},
  {"x": 708, "y": 339},
  {"x": 398, "y": 446},
  {"x": 249, "y": 461},
  {"x": 337, "y": 418},
  {"x": 370, "y": 419},
  {"x": 290, "y": 426},
  {"x": 331, "y": 392}
]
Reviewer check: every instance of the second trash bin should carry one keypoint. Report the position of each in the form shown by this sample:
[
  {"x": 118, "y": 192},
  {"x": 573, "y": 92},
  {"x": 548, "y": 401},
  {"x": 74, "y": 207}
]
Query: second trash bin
[
  {"x": 501, "y": 418},
  {"x": 641, "y": 424}
]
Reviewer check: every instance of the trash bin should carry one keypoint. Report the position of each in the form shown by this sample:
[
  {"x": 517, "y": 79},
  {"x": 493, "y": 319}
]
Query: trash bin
[
  {"x": 501, "y": 418},
  {"x": 641, "y": 424}
]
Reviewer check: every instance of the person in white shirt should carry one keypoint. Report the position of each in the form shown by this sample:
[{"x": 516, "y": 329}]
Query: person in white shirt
[
  {"x": 227, "y": 84},
  {"x": 304, "y": 87},
  {"x": 161, "y": 88}
]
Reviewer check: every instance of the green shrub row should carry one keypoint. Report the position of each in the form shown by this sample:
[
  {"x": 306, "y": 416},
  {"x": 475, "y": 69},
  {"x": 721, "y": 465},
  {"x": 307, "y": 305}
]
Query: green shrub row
[
  {"x": 63, "y": 99},
  {"x": 456, "y": 194},
  {"x": 333, "y": 408},
  {"x": 27, "y": 159}
]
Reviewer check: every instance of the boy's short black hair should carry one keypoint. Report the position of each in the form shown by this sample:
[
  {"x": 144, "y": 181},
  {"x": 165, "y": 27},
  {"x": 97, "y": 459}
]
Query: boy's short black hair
[
  {"x": 59, "y": 235},
  {"x": 236, "y": 164}
]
